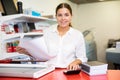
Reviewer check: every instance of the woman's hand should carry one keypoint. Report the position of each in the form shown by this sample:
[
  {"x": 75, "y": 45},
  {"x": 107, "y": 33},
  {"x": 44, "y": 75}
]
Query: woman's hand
[
  {"x": 75, "y": 65},
  {"x": 22, "y": 50}
]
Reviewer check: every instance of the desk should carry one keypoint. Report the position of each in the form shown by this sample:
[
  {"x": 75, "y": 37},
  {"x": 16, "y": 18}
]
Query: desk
[
  {"x": 57, "y": 74},
  {"x": 113, "y": 75}
]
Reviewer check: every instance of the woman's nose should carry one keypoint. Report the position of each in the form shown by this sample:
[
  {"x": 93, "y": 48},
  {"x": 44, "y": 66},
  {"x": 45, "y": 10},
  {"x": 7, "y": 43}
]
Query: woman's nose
[{"x": 63, "y": 17}]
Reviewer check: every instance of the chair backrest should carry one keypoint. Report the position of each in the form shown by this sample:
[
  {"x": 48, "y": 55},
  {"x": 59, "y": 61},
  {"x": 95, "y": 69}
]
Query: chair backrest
[{"x": 91, "y": 50}]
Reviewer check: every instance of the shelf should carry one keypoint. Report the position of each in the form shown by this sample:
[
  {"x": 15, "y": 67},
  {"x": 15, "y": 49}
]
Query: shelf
[
  {"x": 24, "y": 18},
  {"x": 30, "y": 34},
  {"x": 20, "y": 35},
  {"x": 11, "y": 36},
  {"x": 9, "y": 55}
]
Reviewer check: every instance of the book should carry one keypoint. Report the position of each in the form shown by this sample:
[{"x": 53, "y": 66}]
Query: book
[
  {"x": 94, "y": 68},
  {"x": 25, "y": 70}
]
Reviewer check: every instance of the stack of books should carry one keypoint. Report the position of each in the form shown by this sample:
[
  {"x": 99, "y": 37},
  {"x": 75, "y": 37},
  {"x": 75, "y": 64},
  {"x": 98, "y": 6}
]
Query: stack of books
[{"x": 94, "y": 68}]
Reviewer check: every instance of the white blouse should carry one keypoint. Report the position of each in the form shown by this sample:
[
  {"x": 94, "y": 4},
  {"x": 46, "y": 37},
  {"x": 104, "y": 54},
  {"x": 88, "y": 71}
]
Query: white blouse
[{"x": 67, "y": 48}]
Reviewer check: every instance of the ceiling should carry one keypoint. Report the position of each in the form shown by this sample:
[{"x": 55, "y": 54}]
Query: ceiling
[{"x": 87, "y": 1}]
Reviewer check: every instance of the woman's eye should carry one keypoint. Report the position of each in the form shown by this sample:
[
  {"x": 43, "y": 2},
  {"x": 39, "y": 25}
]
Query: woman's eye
[
  {"x": 66, "y": 14},
  {"x": 59, "y": 15}
]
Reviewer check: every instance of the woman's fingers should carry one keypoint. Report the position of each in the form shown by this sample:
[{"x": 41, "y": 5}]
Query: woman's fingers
[{"x": 73, "y": 67}]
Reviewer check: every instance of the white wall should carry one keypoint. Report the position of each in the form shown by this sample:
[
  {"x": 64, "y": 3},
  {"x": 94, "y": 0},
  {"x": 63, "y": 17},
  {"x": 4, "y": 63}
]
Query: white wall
[{"x": 104, "y": 18}]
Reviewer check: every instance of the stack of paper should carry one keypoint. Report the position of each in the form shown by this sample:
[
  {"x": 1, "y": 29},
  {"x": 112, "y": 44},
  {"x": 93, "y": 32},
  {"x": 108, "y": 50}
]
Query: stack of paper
[
  {"x": 94, "y": 68},
  {"x": 37, "y": 48}
]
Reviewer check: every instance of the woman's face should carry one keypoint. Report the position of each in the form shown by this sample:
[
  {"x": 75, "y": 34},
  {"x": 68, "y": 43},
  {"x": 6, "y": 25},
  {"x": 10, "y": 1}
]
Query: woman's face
[{"x": 63, "y": 17}]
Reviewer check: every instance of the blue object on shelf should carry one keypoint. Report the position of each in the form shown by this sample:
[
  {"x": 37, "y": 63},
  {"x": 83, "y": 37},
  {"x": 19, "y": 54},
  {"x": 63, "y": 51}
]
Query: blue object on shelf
[{"x": 34, "y": 13}]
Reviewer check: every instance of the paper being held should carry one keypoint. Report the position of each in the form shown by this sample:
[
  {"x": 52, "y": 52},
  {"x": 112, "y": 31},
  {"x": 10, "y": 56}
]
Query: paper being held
[{"x": 37, "y": 48}]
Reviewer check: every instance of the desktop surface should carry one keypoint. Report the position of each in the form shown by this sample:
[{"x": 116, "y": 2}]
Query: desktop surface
[{"x": 57, "y": 74}]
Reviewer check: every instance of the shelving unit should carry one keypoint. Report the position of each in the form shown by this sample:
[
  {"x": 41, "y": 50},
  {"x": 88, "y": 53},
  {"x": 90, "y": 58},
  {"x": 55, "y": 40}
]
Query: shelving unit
[{"x": 19, "y": 18}]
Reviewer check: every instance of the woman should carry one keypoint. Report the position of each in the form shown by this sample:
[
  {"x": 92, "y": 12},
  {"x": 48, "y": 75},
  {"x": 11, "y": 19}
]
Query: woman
[{"x": 63, "y": 41}]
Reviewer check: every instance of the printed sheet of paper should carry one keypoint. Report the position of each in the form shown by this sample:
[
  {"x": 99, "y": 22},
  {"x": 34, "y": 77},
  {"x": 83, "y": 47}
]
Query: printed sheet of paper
[{"x": 37, "y": 48}]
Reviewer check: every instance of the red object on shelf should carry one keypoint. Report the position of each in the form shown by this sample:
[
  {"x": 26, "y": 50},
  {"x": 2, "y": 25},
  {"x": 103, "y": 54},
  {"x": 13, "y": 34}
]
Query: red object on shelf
[
  {"x": 37, "y": 30},
  {"x": 16, "y": 28},
  {"x": 5, "y": 61},
  {"x": 9, "y": 47}
]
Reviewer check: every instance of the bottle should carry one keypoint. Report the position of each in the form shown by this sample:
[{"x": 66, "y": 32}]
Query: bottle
[
  {"x": 19, "y": 5},
  {"x": 9, "y": 47}
]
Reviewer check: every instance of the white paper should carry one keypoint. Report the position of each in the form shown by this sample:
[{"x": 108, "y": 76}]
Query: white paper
[{"x": 37, "y": 48}]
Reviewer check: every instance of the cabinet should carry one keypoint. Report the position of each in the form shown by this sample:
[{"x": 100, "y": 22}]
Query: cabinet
[
  {"x": 40, "y": 23},
  {"x": 113, "y": 56}
]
